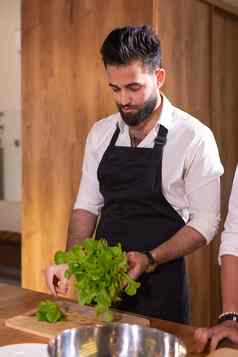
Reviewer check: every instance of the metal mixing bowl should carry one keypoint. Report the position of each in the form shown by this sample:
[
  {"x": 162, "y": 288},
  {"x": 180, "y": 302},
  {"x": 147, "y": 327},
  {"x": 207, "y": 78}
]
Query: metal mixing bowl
[{"x": 115, "y": 340}]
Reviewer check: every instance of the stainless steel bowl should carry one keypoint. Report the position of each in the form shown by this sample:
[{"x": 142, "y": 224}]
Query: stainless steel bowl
[{"x": 115, "y": 340}]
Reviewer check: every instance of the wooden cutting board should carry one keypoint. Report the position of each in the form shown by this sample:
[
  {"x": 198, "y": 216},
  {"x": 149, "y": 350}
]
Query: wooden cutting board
[
  {"x": 76, "y": 316},
  {"x": 224, "y": 352}
]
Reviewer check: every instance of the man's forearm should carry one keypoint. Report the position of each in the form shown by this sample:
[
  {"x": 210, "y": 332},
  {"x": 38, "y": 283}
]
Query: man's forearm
[
  {"x": 184, "y": 242},
  {"x": 82, "y": 225},
  {"x": 229, "y": 282}
]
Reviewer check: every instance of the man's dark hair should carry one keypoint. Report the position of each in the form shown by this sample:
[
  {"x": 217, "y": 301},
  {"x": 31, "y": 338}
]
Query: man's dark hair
[{"x": 125, "y": 45}]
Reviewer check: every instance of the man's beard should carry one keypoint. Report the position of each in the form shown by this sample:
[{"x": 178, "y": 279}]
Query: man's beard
[{"x": 138, "y": 117}]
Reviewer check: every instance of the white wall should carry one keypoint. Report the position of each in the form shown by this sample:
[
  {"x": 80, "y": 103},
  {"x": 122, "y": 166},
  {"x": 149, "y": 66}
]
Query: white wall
[
  {"x": 10, "y": 104},
  {"x": 10, "y": 96},
  {"x": 10, "y": 218}
]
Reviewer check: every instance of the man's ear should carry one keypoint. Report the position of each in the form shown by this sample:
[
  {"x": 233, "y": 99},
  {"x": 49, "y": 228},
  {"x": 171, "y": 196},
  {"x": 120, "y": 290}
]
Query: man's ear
[{"x": 160, "y": 74}]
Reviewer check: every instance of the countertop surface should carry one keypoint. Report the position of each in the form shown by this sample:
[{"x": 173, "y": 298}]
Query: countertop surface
[{"x": 15, "y": 301}]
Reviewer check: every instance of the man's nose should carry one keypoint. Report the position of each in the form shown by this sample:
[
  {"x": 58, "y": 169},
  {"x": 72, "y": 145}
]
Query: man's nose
[{"x": 124, "y": 99}]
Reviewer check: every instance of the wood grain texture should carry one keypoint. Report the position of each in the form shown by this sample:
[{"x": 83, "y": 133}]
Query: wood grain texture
[
  {"x": 185, "y": 54},
  {"x": 224, "y": 117},
  {"x": 185, "y": 40},
  {"x": 224, "y": 352},
  {"x": 199, "y": 49},
  {"x": 16, "y": 301},
  {"x": 63, "y": 93},
  {"x": 76, "y": 316},
  {"x": 230, "y": 6}
]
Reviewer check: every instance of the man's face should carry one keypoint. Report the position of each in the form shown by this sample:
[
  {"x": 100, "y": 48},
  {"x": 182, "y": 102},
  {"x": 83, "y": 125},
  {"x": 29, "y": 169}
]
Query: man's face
[{"x": 135, "y": 91}]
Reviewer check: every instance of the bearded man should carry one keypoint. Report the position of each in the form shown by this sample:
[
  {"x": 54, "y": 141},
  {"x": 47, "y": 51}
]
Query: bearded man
[{"x": 151, "y": 172}]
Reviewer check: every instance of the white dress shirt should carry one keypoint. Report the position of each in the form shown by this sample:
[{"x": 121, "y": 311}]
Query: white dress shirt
[
  {"x": 191, "y": 166},
  {"x": 229, "y": 237}
]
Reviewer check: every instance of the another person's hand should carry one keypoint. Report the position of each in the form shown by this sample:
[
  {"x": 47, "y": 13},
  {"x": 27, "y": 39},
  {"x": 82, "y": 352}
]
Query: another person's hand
[
  {"x": 214, "y": 335},
  {"x": 138, "y": 263},
  {"x": 56, "y": 280}
]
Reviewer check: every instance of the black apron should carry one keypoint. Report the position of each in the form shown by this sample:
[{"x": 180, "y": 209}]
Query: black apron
[{"x": 136, "y": 214}]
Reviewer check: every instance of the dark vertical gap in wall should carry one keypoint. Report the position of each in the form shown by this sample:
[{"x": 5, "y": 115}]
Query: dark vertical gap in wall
[
  {"x": 211, "y": 114},
  {"x": 71, "y": 12},
  {"x": 215, "y": 306},
  {"x": 155, "y": 16},
  {"x": 1, "y": 160},
  {"x": 211, "y": 66},
  {"x": 224, "y": 6},
  {"x": 1, "y": 173}
]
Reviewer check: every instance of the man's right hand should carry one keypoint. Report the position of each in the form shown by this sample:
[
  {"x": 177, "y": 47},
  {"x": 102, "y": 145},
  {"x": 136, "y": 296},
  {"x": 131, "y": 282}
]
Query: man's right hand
[{"x": 56, "y": 280}]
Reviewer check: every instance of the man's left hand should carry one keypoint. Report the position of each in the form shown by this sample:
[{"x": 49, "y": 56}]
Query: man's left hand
[
  {"x": 138, "y": 263},
  {"x": 214, "y": 335}
]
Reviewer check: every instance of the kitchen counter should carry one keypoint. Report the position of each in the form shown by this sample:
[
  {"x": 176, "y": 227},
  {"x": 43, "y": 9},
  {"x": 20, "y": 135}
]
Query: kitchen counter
[{"x": 15, "y": 301}]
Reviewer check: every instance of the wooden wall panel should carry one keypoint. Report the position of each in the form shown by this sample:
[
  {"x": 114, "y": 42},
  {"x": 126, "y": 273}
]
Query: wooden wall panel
[
  {"x": 185, "y": 54},
  {"x": 200, "y": 50},
  {"x": 50, "y": 143},
  {"x": 230, "y": 6},
  {"x": 184, "y": 29},
  {"x": 63, "y": 93},
  {"x": 224, "y": 115}
]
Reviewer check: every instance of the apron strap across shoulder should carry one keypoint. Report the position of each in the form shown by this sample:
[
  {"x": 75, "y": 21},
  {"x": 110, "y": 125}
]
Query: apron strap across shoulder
[
  {"x": 115, "y": 136},
  {"x": 161, "y": 137}
]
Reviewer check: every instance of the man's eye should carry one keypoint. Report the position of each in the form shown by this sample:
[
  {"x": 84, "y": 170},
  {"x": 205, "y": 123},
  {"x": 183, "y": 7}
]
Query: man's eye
[
  {"x": 115, "y": 89},
  {"x": 135, "y": 88}
]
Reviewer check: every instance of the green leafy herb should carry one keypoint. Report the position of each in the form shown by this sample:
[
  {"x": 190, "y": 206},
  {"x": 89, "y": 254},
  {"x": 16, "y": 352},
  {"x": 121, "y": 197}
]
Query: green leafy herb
[
  {"x": 49, "y": 311},
  {"x": 101, "y": 273}
]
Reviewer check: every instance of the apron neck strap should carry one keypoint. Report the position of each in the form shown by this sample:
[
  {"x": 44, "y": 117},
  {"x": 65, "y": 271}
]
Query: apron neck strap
[
  {"x": 159, "y": 142},
  {"x": 115, "y": 136},
  {"x": 161, "y": 137}
]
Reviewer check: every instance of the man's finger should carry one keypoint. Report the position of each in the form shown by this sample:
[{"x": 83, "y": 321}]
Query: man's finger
[
  {"x": 49, "y": 273},
  {"x": 132, "y": 273},
  {"x": 225, "y": 332},
  {"x": 217, "y": 338},
  {"x": 63, "y": 286},
  {"x": 201, "y": 336},
  {"x": 130, "y": 257}
]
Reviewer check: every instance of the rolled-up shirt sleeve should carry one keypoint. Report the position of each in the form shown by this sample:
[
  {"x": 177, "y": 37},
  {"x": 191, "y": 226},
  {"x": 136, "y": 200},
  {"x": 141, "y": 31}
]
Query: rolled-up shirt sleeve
[
  {"x": 229, "y": 237},
  {"x": 202, "y": 186},
  {"x": 89, "y": 197}
]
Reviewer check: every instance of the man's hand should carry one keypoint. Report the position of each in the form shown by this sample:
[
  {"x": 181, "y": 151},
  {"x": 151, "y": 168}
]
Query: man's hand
[
  {"x": 215, "y": 334},
  {"x": 138, "y": 263},
  {"x": 55, "y": 279}
]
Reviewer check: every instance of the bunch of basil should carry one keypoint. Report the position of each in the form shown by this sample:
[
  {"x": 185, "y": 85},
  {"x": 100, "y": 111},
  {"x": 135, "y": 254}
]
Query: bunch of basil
[{"x": 101, "y": 274}]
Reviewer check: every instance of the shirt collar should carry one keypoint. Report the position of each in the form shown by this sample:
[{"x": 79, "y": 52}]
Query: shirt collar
[{"x": 164, "y": 119}]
